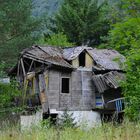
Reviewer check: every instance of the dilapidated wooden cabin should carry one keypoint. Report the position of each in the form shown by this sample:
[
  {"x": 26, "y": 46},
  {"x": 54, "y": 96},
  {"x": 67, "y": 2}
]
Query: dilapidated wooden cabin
[{"x": 77, "y": 79}]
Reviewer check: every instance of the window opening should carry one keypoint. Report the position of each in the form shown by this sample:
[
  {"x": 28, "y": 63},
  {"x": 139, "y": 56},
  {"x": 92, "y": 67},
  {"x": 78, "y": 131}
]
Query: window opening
[
  {"x": 82, "y": 59},
  {"x": 65, "y": 85}
]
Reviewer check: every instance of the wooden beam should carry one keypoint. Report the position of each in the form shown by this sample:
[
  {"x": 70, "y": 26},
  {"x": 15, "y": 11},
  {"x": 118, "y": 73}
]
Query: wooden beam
[
  {"x": 31, "y": 65},
  {"x": 26, "y": 62},
  {"x": 36, "y": 59},
  {"x": 18, "y": 69},
  {"x": 23, "y": 68},
  {"x": 43, "y": 94}
]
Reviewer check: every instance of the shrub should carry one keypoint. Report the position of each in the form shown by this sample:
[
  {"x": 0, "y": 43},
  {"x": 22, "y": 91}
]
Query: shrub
[{"x": 66, "y": 120}]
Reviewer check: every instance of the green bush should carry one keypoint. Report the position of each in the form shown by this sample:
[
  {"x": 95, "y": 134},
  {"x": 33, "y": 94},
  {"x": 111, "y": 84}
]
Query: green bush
[
  {"x": 8, "y": 92},
  {"x": 66, "y": 120}
]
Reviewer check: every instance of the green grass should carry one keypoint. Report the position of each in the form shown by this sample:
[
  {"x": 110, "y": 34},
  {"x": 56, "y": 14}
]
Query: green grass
[{"x": 125, "y": 131}]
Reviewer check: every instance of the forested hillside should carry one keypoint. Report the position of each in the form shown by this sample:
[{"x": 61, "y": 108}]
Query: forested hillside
[
  {"x": 45, "y": 6},
  {"x": 49, "y": 6}
]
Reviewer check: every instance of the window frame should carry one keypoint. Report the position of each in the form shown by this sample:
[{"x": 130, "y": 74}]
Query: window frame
[{"x": 61, "y": 85}]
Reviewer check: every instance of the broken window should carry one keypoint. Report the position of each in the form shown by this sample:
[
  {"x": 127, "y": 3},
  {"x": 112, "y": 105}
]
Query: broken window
[
  {"x": 82, "y": 59},
  {"x": 65, "y": 85}
]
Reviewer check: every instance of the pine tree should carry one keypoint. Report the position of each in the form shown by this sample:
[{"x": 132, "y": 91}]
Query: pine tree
[
  {"x": 66, "y": 120},
  {"x": 16, "y": 28},
  {"x": 82, "y": 21}
]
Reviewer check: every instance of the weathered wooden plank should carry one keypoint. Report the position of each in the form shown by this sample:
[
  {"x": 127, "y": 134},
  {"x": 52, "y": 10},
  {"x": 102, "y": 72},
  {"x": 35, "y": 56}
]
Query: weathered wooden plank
[
  {"x": 53, "y": 88},
  {"x": 18, "y": 69},
  {"x": 31, "y": 66},
  {"x": 36, "y": 59},
  {"x": 89, "y": 61},
  {"x": 37, "y": 91},
  {"x": 77, "y": 99},
  {"x": 23, "y": 68},
  {"x": 75, "y": 63},
  {"x": 43, "y": 96}
]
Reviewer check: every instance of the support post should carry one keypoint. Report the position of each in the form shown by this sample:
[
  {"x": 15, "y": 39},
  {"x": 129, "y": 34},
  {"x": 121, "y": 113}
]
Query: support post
[{"x": 23, "y": 68}]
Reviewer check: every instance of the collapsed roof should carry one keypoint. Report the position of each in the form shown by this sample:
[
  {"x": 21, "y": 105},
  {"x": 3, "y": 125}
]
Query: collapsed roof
[
  {"x": 104, "y": 59},
  {"x": 48, "y": 55},
  {"x": 108, "y": 80}
]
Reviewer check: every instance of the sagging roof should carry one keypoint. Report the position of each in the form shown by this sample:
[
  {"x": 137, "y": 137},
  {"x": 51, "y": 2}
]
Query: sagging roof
[
  {"x": 104, "y": 58},
  {"x": 108, "y": 80},
  {"x": 71, "y": 53},
  {"x": 49, "y": 55},
  {"x": 107, "y": 59}
]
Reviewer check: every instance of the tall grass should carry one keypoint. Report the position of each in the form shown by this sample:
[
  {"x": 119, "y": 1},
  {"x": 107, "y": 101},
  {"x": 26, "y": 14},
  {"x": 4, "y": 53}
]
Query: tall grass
[{"x": 109, "y": 131}]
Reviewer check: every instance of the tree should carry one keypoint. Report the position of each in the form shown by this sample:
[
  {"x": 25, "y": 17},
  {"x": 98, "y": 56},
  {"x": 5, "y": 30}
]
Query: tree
[
  {"x": 66, "y": 120},
  {"x": 125, "y": 34},
  {"x": 59, "y": 40},
  {"x": 16, "y": 28},
  {"x": 125, "y": 37},
  {"x": 83, "y": 22},
  {"x": 132, "y": 7},
  {"x": 131, "y": 86}
]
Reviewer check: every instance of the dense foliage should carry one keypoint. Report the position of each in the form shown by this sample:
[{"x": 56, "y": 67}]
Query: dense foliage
[
  {"x": 16, "y": 28},
  {"x": 125, "y": 37},
  {"x": 8, "y": 94},
  {"x": 59, "y": 40},
  {"x": 131, "y": 86},
  {"x": 83, "y": 22}
]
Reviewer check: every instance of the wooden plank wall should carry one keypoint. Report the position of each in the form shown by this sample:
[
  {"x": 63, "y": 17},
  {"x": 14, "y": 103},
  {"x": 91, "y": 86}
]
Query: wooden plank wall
[
  {"x": 65, "y": 98},
  {"x": 75, "y": 62},
  {"x": 89, "y": 61},
  {"x": 43, "y": 93},
  {"x": 54, "y": 89},
  {"x": 88, "y": 95},
  {"x": 81, "y": 96},
  {"x": 76, "y": 90}
]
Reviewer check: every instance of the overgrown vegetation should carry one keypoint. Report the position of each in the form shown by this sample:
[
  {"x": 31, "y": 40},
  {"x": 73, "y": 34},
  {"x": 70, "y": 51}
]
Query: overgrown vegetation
[
  {"x": 125, "y": 37},
  {"x": 128, "y": 131},
  {"x": 8, "y": 94}
]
